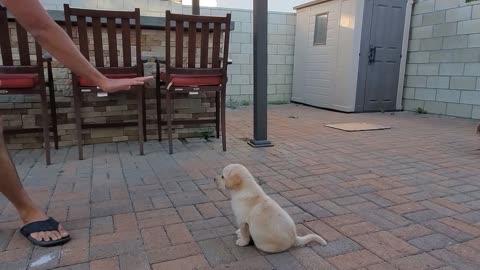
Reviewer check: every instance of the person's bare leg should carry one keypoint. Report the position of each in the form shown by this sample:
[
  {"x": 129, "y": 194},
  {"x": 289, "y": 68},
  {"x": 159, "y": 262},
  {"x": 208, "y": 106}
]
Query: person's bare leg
[{"x": 12, "y": 188}]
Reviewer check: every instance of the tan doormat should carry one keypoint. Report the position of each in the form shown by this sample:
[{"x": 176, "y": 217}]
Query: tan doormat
[{"x": 354, "y": 127}]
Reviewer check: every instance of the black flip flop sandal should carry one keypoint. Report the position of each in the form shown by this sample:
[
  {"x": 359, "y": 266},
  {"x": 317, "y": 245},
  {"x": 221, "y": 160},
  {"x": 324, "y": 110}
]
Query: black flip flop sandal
[{"x": 43, "y": 226}]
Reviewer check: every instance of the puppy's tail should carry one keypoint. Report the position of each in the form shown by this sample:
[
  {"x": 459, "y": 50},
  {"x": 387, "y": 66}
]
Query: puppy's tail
[{"x": 303, "y": 240}]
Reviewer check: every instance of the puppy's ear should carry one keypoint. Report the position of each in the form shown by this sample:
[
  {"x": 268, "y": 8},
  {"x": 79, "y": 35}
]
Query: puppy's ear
[{"x": 233, "y": 182}]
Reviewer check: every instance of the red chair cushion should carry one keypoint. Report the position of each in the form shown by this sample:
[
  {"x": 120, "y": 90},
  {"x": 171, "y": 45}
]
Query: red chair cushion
[
  {"x": 18, "y": 81},
  {"x": 193, "y": 80},
  {"x": 87, "y": 83}
]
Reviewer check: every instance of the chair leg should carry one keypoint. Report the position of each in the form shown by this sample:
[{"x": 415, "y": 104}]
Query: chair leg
[
  {"x": 53, "y": 111},
  {"x": 159, "y": 110},
  {"x": 217, "y": 113},
  {"x": 77, "y": 100},
  {"x": 224, "y": 130},
  {"x": 169, "y": 121},
  {"x": 45, "y": 124},
  {"x": 141, "y": 120},
  {"x": 144, "y": 114}
]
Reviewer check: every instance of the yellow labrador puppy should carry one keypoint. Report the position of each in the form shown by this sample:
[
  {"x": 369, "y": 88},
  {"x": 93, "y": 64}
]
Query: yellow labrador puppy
[{"x": 258, "y": 216}]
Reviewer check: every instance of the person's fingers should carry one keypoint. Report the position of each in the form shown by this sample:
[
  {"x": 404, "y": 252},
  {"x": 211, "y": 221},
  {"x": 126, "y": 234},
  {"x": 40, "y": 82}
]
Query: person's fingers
[
  {"x": 138, "y": 83},
  {"x": 145, "y": 78},
  {"x": 126, "y": 84}
]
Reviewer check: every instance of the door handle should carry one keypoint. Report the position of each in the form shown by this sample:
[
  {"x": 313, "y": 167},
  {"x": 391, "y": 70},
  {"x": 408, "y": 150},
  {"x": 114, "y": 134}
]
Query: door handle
[{"x": 372, "y": 55}]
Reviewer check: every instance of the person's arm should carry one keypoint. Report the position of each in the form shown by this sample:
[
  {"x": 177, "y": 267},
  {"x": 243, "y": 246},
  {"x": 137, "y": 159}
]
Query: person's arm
[{"x": 33, "y": 17}]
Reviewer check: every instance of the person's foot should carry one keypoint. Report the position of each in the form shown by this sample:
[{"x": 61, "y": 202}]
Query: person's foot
[{"x": 43, "y": 236}]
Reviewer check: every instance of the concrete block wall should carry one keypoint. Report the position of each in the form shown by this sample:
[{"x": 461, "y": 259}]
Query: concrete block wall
[
  {"x": 281, "y": 49},
  {"x": 240, "y": 87},
  {"x": 443, "y": 70}
]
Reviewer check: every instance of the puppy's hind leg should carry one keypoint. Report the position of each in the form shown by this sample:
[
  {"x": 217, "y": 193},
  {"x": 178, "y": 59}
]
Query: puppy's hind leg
[{"x": 243, "y": 234}]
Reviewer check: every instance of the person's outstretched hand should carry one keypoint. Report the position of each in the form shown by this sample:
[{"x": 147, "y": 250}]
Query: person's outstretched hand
[{"x": 116, "y": 85}]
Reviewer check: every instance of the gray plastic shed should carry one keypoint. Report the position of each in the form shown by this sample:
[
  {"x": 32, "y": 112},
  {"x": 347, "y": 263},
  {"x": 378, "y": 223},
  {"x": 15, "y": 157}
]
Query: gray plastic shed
[{"x": 350, "y": 54}]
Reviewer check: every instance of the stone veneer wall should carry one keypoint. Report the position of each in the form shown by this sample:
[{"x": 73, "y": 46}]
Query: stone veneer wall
[
  {"x": 23, "y": 111},
  {"x": 443, "y": 72}
]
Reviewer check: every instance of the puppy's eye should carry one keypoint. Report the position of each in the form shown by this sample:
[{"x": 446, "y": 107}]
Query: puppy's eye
[{"x": 223, "y": 177}]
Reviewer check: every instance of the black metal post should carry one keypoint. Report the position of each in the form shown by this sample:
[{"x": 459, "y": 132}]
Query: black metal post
[
  {"x": 260, "y": 74},
  {"x": 196, "y": 7}
]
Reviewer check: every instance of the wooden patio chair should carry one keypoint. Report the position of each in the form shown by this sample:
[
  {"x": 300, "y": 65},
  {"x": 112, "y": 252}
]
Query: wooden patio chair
[
  {"x": 132, "y": 65},
  {"x": 25, "y": 76},
  {"x": 192, "y": 75}
]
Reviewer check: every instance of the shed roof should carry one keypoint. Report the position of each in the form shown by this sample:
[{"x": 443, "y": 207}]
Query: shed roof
[{"x": 310, "y": 4}]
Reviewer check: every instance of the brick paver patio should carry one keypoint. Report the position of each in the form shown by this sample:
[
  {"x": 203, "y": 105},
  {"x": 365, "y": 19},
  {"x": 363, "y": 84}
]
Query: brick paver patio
[{"x": 406, "y": 198}]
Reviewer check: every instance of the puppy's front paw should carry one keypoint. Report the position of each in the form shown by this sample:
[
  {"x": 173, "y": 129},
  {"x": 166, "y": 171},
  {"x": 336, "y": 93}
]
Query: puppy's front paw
[{"x": 242, "y": 242}]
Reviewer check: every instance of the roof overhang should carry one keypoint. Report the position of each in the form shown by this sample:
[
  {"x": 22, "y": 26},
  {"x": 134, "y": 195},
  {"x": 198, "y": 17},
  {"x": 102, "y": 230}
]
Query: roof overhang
[{"x": 310, "y": 4}]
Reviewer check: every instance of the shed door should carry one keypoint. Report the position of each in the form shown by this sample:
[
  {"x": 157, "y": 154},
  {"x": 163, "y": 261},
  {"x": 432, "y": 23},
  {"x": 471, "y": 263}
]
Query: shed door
[{"x": 382, "y": 40}]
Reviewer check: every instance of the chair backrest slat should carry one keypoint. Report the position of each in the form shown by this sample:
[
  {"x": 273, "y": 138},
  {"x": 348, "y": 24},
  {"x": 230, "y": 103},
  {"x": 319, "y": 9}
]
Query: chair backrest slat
[
  {"x": 192, "y": 44},
  {"x": 97, "y": 41},
  {"x": 179, "y": 43},
  {"x": 216, "y": 45},
  {"x": 83, "y": 36},
  {"x": 211, "y": 41},
  {"x": 127, "y": 51},
  {"x": 23, "y": 48},
  {"x": 112, "y": 42},
  {"x": 168, "y": 39},
  {"x": 138, "y": 41},
  {"x": 114, "y": 20},
  {"x": 13, "y": 62},
  {"x": 204, "y": 45},
  {"x": 5, "y": 44},
  {"x": 40, "y": 61},
  {"x": 226, "y": 40}
]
